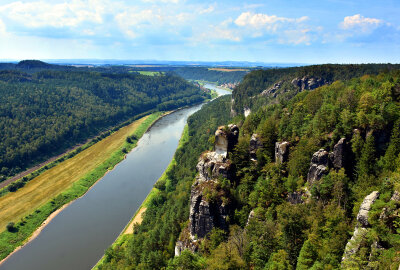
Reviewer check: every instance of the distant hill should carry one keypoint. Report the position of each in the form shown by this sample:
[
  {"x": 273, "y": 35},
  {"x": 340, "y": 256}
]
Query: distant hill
[{"x": 33, "y": 66}]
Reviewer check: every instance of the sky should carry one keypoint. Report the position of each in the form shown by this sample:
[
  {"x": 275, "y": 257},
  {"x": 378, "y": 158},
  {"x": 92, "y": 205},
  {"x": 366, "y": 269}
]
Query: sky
[{"x": 279, "y": 31}]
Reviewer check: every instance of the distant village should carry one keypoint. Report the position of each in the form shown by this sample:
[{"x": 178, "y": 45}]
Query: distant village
[{"x": 229, "y": 85}]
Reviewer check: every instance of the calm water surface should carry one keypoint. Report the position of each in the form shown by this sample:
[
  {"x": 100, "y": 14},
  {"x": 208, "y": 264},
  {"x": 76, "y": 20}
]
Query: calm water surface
[{"x": 78, "y": 236}]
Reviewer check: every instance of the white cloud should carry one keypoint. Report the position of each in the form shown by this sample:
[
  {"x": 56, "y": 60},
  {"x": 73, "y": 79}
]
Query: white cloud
[
  {"x": 134, "y": 22},
  {"x": 360, "y": 23},
  {"x": 260, "y": 20},
  {"x": 296, "y": 37},
  {"x": 210, "y": 9},
  {"x": 284, "y": 30},
  {"x": 42, "y": 14},
  {"x": 2, "y": 28}
]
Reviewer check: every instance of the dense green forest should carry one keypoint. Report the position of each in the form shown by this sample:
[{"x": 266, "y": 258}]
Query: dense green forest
[
  {"x": 283, "y": 85},
  {"x": 45, "y": 112},
  {"x": 267, "y": 228}
]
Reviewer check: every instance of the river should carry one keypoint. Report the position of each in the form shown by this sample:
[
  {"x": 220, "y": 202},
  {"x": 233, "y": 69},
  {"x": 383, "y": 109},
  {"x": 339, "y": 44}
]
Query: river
[{"x": 78, "y": 236}]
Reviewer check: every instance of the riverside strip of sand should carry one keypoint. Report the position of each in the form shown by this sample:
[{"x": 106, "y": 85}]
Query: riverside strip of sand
[
  {"x": 136, "y": 220},
  {"x": 38, "y": 230}
]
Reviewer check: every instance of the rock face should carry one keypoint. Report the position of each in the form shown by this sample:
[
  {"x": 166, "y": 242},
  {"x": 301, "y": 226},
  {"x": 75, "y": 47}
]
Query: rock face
[
  {"x": 255, "y": 144},
  {"x": 362, "y": 216},
  {"x": 308, "y": 83},
  {"x": 360, "y": 231},
  {"x": 226, "y": 139},
  {"x": 295, "y": 197},
  {"x": 318, "y": 166},
  {"x": 339, "y": 155},
  {"x": 233, "y": 113},
  {"x": 281, "y": 152},
  {"x": 272, "y": 90},
  {"x": 205, "y": 215},
  {"x": 378, "y": 246},
  {"x": 207, "y": 208},
  {"x": 246, "y": 111},
  {"x": 212, "y": 165}
]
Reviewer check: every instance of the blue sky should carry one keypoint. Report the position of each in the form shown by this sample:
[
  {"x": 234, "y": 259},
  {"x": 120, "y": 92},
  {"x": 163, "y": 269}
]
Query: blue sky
[{"x": 309, "y": 31}]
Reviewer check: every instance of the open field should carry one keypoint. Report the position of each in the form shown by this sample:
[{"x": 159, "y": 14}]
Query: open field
[
  {"x": 16, "y": 205},
  {"x": 147, "y": 73},
  {"x": 31, "y": 205},
  {"x": 228, "y": 69}
]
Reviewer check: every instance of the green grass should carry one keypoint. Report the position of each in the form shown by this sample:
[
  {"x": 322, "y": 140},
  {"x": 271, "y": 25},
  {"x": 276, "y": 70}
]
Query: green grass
[
  {"x": 150, "y": 73},
  {"x": 121, "y": 240},
  {"x": 26, "y": 225}
]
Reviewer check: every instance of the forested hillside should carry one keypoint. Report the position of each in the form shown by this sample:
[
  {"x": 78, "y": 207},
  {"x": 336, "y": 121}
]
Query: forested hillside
[
  {"x": 279, "y": 85},
  {"x": 43, "y": 113},
  {"x": 303, "y": 178}
]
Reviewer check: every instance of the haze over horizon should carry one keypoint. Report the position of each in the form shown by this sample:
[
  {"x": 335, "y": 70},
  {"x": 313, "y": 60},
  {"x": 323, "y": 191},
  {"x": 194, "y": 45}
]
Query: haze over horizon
[{"x": 332, "y": 31}]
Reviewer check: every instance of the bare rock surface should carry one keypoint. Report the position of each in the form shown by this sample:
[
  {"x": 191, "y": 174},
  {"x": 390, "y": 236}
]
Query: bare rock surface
[
  {"x": 308, "y": 83},
  {"x": 225, "y": 139},
  {"x": 318, "y": 166},
  {"x": 207, "y": 209},
  {"x": 362, "y": 216},
  {"x": 338, "y": 156},
  {"x": 255, "y": 144},
  {"x": 360, "y": 231},
  {"x": 282, "y": 151}
]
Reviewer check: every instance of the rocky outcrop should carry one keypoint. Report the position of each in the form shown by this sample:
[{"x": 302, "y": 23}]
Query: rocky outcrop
[
  {"x": 281, "y": 152},
  {"x": 378, "y": 246},
  {"x": 209, "y": 206},
  {"x": 205, "y": 213},
  {"x": 360, "y": 231},
  {"x": 246, "y": 111},
  {"x": 308, "y": 83},
  {"x": 211, "y": 165},
  {"x": 255, "y": 144},
  {"x": 338, "y": 157},
  {"x": 362, "y": 216},
  {"x": 252, "y": 214},
  {"x": 225, "y": 139},
  {"x": 318, "y": 166},
  {"x": 295, "y": 197},
  {"x": 272, "y": 91},
  {"x": 233, "y": 112}
]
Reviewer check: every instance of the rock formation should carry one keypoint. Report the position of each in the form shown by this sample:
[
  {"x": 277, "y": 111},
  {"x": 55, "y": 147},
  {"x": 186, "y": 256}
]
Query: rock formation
[
  {"x": 339, "y": 154},
  {"x": 308, "y": 83},
  {"x": 225, "y": 139},
  {"x": 246, "y": 111},
  {"x": 361, "y": 229},
  {"x": 318, "y": 166},
  {"x": 255, "y": 144},
  {"x": 205, "y": 213},
  {"x": 272, "y": 91},
  {"x": 296, "y": 197},
  {"x": 233, "y": 112},
  {"x": 281, "y": 152},
  {"x": 387, "y": 216},
  {"x": 208, "y": 209}
]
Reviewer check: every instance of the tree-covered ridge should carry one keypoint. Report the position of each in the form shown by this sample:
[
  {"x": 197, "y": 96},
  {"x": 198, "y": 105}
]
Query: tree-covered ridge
[
  {"x": 44, "y": 113},
  {"x": 281, "y": 82},
  {"x": 313, "y": 234}
]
